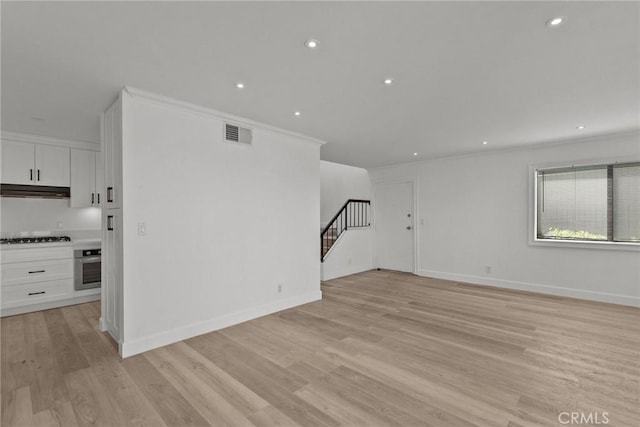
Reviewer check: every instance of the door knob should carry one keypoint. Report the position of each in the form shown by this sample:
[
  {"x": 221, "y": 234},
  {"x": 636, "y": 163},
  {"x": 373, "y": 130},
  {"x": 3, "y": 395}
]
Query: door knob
[{"x": 408, "y": 227}]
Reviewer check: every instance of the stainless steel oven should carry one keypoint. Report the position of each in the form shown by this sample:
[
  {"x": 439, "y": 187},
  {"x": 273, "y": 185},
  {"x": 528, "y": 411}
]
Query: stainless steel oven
[{"x": 88, "y": 267}]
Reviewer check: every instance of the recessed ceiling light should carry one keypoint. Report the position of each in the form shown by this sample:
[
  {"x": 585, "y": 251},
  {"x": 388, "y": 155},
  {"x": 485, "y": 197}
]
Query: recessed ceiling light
[
  {"x": 388, "y": 81},
  {"x": 484, "y": 142},
  {"x": 554, "y": 22},
  {"x": 415, "y": 154},
  {"x": 311, "y": 44},
  {"x": 297, "y": 113},
  {"x": 580, "y": 127},
  {"x": 240, "y": 85}
]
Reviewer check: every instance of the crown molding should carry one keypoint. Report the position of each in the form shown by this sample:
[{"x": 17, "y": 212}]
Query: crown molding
[
  {"x": 7, "y": 135},
  {"x": 192, "y": 108}
]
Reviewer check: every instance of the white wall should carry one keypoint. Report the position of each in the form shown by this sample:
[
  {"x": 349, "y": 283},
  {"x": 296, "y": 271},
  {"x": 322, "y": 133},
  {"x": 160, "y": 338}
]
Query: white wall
[
  {"x": 338, "y": 183},
  {"x": 33, "y": 215},
  {"x": 475, "y": 211},
  {"x": 226, "y": 224},
  {"x": 353, "y": 252}
]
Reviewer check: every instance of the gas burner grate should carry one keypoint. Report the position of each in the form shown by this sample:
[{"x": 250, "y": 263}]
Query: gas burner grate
[{"x": 42, "y": 239}]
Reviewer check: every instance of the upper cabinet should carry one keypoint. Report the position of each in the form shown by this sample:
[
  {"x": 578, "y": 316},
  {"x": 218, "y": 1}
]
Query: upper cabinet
[
  {"x": 112, "y": 151},
  {"x": 86, "y": 178},
  {"x": 35, "y": 164},
  {"x": 52, "y": 166},
  {"x": 18, "y": 163}
]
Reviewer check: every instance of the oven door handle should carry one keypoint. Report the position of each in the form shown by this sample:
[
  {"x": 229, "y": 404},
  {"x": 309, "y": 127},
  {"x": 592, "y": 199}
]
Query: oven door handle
[{"x": 85, "y": 260}]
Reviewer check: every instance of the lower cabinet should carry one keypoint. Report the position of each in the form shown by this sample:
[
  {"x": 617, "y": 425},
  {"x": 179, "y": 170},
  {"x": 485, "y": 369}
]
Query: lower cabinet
[
  {"x": 35, "y": 276},
  {"x": 34, "y": 293},
  {"x": 112, "y": 273}
]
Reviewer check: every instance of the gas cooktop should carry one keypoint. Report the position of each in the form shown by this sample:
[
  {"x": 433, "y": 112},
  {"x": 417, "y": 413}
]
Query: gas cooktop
[{"x": 41, "y": 239}]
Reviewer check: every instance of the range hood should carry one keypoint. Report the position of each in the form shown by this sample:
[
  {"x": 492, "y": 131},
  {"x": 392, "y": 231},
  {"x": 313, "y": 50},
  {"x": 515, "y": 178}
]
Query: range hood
[{"x": 34, "y": 191}]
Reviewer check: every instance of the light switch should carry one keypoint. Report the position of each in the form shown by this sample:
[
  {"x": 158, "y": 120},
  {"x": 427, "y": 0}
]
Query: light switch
[{"x": 142, "y": 229}]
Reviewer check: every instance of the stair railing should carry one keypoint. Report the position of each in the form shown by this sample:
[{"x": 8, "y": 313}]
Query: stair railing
[{"x": 355, "y": 213}]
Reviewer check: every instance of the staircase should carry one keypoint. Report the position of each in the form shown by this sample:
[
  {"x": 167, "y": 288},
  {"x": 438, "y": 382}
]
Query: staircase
[
  {"x": 354, "y": 213},
  {"x": 330, "y": 238}
]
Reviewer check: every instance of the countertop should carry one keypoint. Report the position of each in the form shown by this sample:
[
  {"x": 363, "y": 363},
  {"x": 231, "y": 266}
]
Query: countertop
[{"x": 92, "y": 243}]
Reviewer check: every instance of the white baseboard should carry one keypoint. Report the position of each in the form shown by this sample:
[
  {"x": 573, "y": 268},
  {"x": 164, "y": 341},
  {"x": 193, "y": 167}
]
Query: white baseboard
[
  {"x": 346, "y": 271},
  {"x": 140, "y": 345},
  {"x": 535, "y": 287}
]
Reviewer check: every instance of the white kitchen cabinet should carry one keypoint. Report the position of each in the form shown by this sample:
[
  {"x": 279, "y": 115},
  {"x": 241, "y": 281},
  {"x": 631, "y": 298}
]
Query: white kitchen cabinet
[
  {"x": 36, "y": 293},
  {"x": 35, "y": 164},
  {"x": 34, "y": 276},
  {"x": 52, "y": 166},
  {"x": 112, "y": 273},
  {"x": 112, "y": 151},
  {"x": 18, "y": 163},
  {"x": 86, "y": 178},
  {"x": 112, "y": 260},
  {"x": 36, "y": 271},
  {"x": 100, "y": 190}
]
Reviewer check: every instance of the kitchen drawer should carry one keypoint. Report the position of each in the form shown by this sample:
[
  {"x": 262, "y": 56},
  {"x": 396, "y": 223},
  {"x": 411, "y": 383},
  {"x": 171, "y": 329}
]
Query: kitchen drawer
[
  {"x": 35, "y": 254},
  {"x": 36, "y": 271},
  {"x": 34, "y": 293}
]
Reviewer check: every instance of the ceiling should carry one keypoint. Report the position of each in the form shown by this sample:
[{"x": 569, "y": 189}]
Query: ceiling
[{"x": 463, "y": 72}]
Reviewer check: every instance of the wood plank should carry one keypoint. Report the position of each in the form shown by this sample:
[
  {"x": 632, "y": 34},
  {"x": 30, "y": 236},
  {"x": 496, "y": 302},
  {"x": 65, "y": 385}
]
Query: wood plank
[
  {"x": 212, "y": 406},
  {"x": 59, "y": 415},
  {"x": 270, "y": 416},
  {"x": 90, "y": 401},
  {"x": 236, "y": 393},
  {"x": 266, "y": 379},
  {"x": 17, "y": 410},
  {"x": 125, "y": 396},
  {"x": 48, "y": 386},
  {"x": 167, "y": 401},
  {"x": 66, "y": 349}
]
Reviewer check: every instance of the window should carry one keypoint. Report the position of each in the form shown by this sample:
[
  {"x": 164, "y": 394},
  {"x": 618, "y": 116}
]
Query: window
[{"x": 596, "y": 203}]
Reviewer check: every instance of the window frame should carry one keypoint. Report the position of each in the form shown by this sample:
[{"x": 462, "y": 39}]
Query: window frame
[{"x": 570, "y": 243}]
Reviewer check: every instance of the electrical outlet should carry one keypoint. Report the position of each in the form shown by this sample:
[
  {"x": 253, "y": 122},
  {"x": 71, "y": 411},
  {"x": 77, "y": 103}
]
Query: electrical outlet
[
  {"x": 349, "y": 261},
  {"x": 142, "y": 229},
  {"x": 59, "y": 225},
  {"x": 487, "y": 269},
  {"x": 279, "y": 288}
]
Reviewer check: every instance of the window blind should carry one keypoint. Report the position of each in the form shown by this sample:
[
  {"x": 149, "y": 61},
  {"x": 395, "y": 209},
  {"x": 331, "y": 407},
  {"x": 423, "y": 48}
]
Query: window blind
[
  {"x": 573, "y": 204},
  {"x": 626, "y": 203},
  {"x": 600, "y": 203}
]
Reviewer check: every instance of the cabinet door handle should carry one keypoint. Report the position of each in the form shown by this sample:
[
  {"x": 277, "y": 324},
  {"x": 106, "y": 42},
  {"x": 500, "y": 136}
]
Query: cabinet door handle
[
  {"x": 98, "y": 194},
  {"x": 30, "y": 174},
  {"x": 37, "y": 293},
  {"x": 38, "y": 174},
  {"x": 110, "y": 222},
  {"x": 92, "y": 198},
  {"x": 36, "y": 271},
  {"x": 109, "y": 194}
]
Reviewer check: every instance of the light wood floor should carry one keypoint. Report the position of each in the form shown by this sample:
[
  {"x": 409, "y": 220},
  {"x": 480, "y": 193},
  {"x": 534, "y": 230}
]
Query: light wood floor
[{"x": 381, "y": 349}]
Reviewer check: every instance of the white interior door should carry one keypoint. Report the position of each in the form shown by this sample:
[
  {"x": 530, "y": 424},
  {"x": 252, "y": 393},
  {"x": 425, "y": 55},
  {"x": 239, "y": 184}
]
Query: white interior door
[{"x": 394, "y": 224}]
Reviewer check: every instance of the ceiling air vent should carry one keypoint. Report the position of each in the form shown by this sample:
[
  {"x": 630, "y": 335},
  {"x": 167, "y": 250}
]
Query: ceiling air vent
[{"x": 234, "y": 133}]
